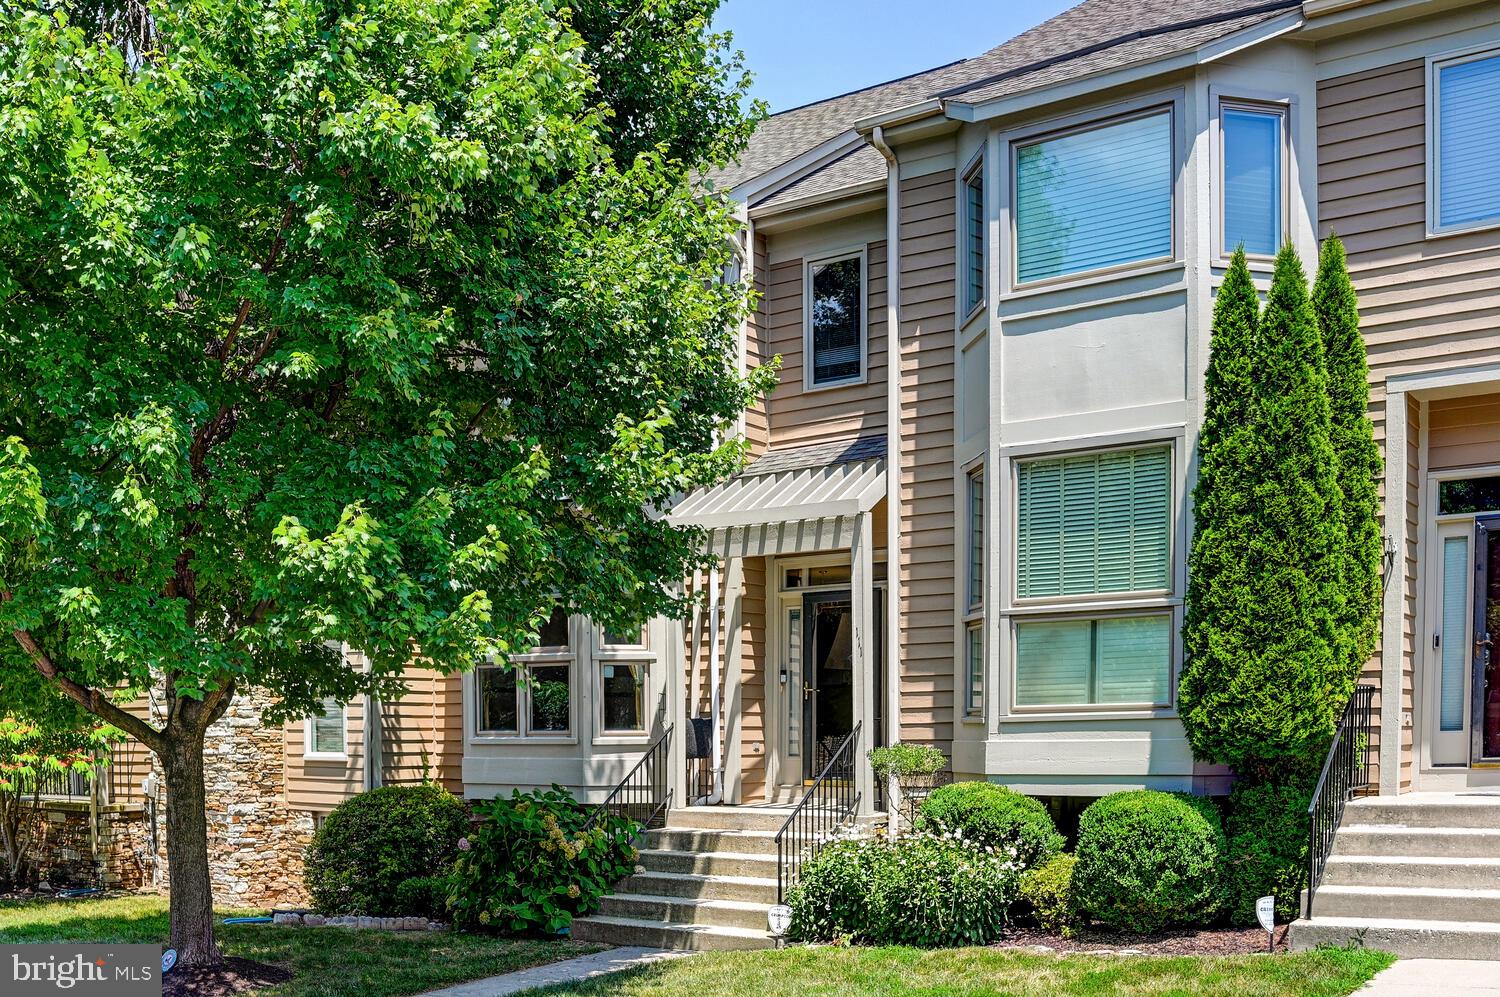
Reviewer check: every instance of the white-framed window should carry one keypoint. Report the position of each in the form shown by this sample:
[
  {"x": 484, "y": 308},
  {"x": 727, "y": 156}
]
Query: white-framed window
[
  {"x": 533, "y": 695},
  {"x": 835, "y": 320},
  {"x": 1253, "y": 141},
  {"x": 974, "y": 668},
  {"x": 1463, "y": 187},
  {"x": 1094, "y": 198},
  {"x": 973, "y": 236},
  {"x": 1094, "y": 528},
  {"x": 622, "y": 676},
  {"x": 326, "y": 733},
  {"x": 975, "y": 581}
]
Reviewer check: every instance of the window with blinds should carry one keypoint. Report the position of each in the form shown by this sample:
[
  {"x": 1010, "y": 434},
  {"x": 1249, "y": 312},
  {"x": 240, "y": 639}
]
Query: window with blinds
[
  {"x": 1468, "y": 141},
  {"x": 976, "y": 539},
  {"x": 974, "y": 237},
  {"x": 836, "y": 320},
  {"x": 974, "y": 694},
  {"x": 1251, "y": 195},
  {"x": 1094, "y": 523},
  {"x": 1094, "y": 199},
  {"x": 325, "y": 729},
  {"x": 1116, "y": 661}
]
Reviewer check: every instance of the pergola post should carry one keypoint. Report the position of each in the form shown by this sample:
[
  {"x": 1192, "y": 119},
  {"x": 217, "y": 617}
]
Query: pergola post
[
  {"x": 673, "y": 661},
  {"x": 862, "y": 606}
]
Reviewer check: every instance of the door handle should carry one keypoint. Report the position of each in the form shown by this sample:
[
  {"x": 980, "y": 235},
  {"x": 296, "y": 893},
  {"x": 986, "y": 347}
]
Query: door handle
[
  {"x": 808, "y": 688},
  {"x": 1483, "y": 643}
]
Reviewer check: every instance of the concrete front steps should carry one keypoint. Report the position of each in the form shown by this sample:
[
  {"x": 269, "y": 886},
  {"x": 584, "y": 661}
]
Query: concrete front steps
[
  {"x": 1417, "y": 875},
  {"x": 709, "y": 880}
]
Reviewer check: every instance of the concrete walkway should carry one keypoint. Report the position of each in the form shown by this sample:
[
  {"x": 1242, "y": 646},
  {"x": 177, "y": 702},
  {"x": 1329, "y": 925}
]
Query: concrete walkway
[
  {"x": 1436, "y": 978},
  {"x": 568, "y": 971}
]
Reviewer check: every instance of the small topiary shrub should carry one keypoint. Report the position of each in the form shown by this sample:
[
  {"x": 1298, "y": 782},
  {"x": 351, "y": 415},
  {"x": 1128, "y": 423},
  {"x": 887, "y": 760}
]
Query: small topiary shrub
[
  {"x": 995, "y": 816},
  {"x": 1149, "y": 860},
  {"x": 372, "y": 843},
  {"x": 905, "y": 761},
  {"x": 1047, "y": 890},
  {"x": 424, "y": 896},
  {"x": 530, "y": 866},
  {"x": 1266, "y": 854},
  {"x": 924, "y": 889}
]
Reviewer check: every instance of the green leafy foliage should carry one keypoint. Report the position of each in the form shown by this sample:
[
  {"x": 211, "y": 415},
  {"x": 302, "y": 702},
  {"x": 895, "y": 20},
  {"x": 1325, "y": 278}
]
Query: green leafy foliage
[
  {"x": 424, "y": 896},
  {"x": 1357, "y": 458},
  {"x": 1047, "y": 890},
  {"x": 1266, "y": 853},
  {"x": 531, "y": 865},
  {"x": 994, "y": 816},
  {"x": 924, "y": 889},
  {"x": 902, "y": 760},
  {"x": 374, "y": 842},
  {"x": 1149, "y": 860}
]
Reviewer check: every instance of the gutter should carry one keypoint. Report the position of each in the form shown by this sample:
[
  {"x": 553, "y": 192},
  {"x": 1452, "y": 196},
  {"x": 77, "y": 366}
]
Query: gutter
[{"x": 892, "y": 437}]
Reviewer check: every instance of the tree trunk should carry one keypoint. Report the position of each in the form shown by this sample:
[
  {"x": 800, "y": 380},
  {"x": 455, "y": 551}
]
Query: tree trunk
[{"x": 191, "y": 892}]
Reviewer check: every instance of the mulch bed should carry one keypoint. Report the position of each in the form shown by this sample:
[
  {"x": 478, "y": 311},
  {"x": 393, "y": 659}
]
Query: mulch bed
[
  {"x": 1181, "y": 941},
  {"x": 236, "y": 976}
]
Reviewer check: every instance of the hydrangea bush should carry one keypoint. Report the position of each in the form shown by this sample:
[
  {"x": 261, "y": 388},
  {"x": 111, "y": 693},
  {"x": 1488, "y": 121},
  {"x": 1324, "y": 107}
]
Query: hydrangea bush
[
  {"x": 924, "y": 889},
  {"x": 532, "y": 865}
]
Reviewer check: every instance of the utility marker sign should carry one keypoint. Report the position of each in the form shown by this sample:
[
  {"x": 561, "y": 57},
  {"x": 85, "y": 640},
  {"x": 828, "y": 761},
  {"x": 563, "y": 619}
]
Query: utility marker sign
[{"x": 115, "y": 970}]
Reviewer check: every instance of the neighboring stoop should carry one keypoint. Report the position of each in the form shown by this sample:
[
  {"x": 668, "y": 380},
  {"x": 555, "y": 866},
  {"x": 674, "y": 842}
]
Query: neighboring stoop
[
  {"x": 709, "y": 882},
  {"x": 1417, "y": 875}
]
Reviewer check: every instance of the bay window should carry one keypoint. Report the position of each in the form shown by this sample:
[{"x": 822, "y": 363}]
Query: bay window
[
  {"x": 973, "y": 237},
  {"x": 1094, "y": 528},
  {"x": 1094, "y": 198},
  {"x": 532, "y": 696}
]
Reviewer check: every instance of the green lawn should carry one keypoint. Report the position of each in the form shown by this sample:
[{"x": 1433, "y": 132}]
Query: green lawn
[
  {"x": 834, "y": 972},
  {"x": 327, "y": 962}
]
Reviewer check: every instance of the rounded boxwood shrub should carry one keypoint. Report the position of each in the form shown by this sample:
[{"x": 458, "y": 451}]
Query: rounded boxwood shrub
[
  {"x": 1266, "y": 854},
  {"x": 1047, "y": 890},
  {"x": 1149, "y": 860},
  {"x": 995, "y": 816},
  {"x": 923, "y": 889},
  {"x": 372, "y": 843},
  {"x": 424, "y": 896}
]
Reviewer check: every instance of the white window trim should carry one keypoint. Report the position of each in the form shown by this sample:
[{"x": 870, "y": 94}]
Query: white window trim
[
  {"x": 854, "y": 252},
  {"x": 973, "y": 711},
  {"x": 975, "y": 168},
  {"x": 622, "y": 654},
  {"x": 1074, "y": 124},
  {"x": 1279, "y": 105},
  {"x": 974, "y": 600},
  {"x": 1435, "y": 63},
  {"x": 309, "y": 755},
  {"x": 540, "y": 658}
]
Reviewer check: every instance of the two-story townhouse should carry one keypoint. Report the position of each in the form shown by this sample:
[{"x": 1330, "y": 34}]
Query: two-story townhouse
[{"x": 966, "y": 519}]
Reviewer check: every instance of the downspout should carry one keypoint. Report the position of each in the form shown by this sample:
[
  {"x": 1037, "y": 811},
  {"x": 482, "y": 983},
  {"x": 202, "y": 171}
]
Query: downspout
[{"x": 892, "y": 442}]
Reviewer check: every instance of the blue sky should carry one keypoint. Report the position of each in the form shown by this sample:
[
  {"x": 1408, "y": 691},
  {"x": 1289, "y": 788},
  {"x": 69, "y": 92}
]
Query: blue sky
[{"x": 805, "y": 50}]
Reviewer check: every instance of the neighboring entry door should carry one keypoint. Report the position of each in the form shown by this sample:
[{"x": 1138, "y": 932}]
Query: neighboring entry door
[
  {"x": 828, "y": 667},
  {"x": 1484, "y": 680},
  {"x": 1452, "y": 654}
]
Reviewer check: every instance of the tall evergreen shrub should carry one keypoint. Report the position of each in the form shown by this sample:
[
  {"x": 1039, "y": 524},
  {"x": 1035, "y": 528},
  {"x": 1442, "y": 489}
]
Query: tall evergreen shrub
[{"x": 1356, "y": 455}]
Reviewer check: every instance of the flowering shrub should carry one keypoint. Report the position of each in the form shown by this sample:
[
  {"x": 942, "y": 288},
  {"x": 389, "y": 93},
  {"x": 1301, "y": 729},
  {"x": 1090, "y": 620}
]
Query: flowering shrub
[
  {"x": 923, "y": 889},
  {"x": 995, "y": 815},
  {"x": 531, "y": 866}
]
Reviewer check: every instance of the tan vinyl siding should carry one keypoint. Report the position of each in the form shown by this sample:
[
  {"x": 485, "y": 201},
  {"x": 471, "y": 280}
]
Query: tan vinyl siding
[
  {"x": 1425, "y": 304},
  {"x": 925, "y": 572},
  {"x": 758, "y": 351},
  {"x": 320, "y": 785},
  {"x": 422, "y": 734},
  {"x": 751, "y": 708},
  {"x": 799, "y": 417},
  {"x": 130, "y": 760},
  {"x": 1463, "y": 432}
]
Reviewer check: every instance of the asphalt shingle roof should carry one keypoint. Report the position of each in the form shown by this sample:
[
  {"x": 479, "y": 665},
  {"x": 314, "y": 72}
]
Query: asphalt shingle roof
[
  {"x": 818, "y": 455},
  {"x": 1094, "y": 36}
]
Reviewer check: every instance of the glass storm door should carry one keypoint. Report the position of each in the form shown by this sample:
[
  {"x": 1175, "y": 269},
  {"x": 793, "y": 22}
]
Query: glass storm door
[
  {"x": 828, "y": 670},
  {"x": 1485, "y": 675},
  {"x": 1452, "y": 653}
]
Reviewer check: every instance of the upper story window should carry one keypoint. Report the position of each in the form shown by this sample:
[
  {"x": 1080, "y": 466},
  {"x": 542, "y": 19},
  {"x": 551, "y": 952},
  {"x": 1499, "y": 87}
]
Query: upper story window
[
  {"x": 1465, "y": 184},
  {"x": 1094, "y": 198},
  {"x": 835, "y": 319},
  {"x": 327, "y": 731},
  {"x": 1252, "y": 187},
  {"x": 973, "y": 230}
]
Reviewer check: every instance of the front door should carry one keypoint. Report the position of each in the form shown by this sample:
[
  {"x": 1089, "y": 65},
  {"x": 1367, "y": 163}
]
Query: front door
[
  {"x": 1484, "y": 696},
  {"x": 828, "y": 688}
]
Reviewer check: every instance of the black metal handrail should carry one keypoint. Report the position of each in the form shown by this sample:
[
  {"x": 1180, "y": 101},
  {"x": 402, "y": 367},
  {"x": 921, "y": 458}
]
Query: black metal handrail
[
  {"x": 643, "y": 795},
  {"x": 1347, "y": 769},
  {"x": 827, "y": 805}
]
